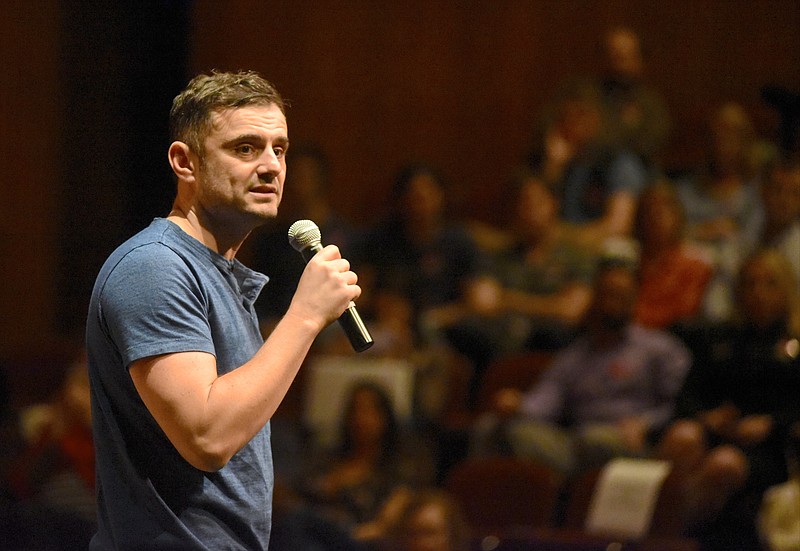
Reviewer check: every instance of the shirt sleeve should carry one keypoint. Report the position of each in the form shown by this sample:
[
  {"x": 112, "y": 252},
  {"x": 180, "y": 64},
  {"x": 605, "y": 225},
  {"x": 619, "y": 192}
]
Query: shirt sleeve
[
  {"x": 627, "y": 173},
  {"x": 545, "y": 400},
  {"x": 152, "y": 304}
]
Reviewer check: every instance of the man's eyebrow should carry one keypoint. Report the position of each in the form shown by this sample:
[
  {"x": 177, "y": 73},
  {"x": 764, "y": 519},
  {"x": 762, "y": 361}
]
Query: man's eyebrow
[
  {"x": 244, "y": 138},
  {"x": 255, "y": 138}
]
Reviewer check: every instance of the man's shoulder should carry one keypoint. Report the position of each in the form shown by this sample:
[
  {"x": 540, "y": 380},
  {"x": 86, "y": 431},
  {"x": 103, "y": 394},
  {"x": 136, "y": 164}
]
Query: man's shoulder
[
  {"x": 149, "y": 255},
  {"x": 154, "y": 234}
]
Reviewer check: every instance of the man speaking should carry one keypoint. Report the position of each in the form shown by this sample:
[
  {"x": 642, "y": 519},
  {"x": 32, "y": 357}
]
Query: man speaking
[{"x": 183, "y": 386}]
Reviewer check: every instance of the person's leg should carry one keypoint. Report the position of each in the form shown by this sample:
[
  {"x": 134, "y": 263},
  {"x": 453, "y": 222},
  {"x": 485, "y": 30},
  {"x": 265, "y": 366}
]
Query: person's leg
[
  {"x": 723, "y": 473},
  {"x": 598, "y": 443},
  {"x": 547, "y": 443},
  {"x": 709, "y": 478},
  {"x": 488, "y": 437},
  {"x": 683, "y": 444}
]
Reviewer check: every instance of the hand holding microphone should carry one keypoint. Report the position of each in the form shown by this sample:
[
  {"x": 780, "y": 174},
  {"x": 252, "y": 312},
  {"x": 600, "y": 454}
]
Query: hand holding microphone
[{"x": 305, "y": 237}]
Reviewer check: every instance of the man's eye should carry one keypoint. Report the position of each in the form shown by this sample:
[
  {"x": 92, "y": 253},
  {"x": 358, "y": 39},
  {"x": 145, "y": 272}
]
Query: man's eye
[
  {"x": 245, "y": 149},
  {"x": 279, "y": 152}
]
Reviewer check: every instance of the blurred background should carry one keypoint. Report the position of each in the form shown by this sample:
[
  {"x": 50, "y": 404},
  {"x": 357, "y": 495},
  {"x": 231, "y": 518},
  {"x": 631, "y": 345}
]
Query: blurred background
[{"x": 87, "y": 86}]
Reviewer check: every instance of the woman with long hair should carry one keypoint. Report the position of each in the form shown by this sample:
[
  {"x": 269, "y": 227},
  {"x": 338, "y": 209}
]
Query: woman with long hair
[{"x": 739, "y": 401}]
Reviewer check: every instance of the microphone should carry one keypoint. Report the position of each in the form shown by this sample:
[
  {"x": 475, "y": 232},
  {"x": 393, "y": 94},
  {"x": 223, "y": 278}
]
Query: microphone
[{"x": 305, "y": 237}]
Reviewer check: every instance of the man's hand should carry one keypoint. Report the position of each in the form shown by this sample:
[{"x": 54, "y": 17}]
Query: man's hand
[
  {"x": 753, "y": 429},
  {"x": 326, "y": 288},
  {"x": 634, "y": 433},
  {"x": 506, "y": 402},
  {"x": 721, "y": 420},
  {"x": 484, "y": 296}
]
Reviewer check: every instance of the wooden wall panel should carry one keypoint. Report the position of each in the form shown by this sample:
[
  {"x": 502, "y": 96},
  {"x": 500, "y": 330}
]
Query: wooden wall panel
[
  {"x": 30, "y": 132},
  {"x": 456, "y": 82},
  {"x": 461, "y": 83}
]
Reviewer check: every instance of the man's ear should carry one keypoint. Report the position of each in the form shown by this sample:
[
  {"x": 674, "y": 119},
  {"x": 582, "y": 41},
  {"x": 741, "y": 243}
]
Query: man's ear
[{"x": 182, "y": 160}]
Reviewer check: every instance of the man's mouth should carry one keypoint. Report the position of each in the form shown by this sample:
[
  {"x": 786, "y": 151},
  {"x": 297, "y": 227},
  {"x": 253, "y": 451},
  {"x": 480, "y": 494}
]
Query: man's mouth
[{"x": 264, "y": 190}]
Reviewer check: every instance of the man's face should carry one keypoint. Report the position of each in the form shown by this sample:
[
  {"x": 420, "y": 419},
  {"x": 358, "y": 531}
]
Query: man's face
[
  {"x": 424, "y": 199},
  {"x": 781, "y": 196},
  {"x": 623, "y": 54},
  {"x": 615, "y": 296},
  {"x": 241, "y": 175},
  {"x": 762, "y": 298}
]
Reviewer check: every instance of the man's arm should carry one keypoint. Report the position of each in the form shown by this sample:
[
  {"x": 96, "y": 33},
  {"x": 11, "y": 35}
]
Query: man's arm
[
  {"x": 670, "y": 367},
  {"x": 616, "y": 221},
  {"x": 569, "y": 304},
  {"x": 208, "y": 418}
]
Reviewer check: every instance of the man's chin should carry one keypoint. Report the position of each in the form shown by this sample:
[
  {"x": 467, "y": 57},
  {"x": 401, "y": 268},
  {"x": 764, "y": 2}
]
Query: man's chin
[{"x": 264, "y": 213}]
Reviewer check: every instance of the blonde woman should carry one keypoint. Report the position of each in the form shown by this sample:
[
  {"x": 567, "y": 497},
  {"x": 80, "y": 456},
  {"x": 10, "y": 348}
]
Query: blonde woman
[{"x": 739, "y": 401}]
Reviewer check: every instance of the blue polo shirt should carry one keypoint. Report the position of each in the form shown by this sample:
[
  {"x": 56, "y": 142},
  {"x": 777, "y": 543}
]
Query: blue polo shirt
[{"x": 162, "y": 292}]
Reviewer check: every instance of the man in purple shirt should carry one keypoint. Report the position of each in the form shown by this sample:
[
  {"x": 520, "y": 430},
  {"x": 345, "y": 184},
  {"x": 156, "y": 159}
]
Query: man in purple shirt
[{"x": 604, "y": 393}]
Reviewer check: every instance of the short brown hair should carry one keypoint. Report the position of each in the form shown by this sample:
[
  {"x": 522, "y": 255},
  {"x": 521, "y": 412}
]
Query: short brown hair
[{"x": 190, "y": 116}]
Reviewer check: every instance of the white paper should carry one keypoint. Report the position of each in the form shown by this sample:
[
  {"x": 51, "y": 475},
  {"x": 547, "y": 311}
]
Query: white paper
[{"x": 625, "y": 497}]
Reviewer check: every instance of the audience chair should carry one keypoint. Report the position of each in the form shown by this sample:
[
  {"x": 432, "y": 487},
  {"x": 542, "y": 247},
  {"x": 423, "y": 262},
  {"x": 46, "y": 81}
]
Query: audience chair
[
  {"x": 501, "y": 495},
  {"x": 520, "y": 371}
]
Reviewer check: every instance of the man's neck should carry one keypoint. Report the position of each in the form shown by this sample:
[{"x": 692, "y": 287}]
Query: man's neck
[{"x": 191, "y": 225}]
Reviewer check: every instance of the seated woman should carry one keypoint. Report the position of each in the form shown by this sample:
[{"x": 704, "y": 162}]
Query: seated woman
[
  {"x": 673, "y": 272},
  {"x": 780, "y": 193},
  {"x": 722, "y": 203},
  {"x": 429, "y": 519},
  {"x": 372, "y": 461},
  {"x": 53, "y": 478},
  {"x": 739, "y": 401}
]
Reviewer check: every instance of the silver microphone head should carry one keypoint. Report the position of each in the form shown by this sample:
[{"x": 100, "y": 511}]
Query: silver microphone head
[{"x": 304, "y": 234}]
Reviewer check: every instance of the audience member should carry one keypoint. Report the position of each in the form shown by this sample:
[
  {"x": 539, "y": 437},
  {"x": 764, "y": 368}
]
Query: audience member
[
  {"x": 673, "y": 272},
  {"x": 429, "y": 519},
  {"x": 597, "y": 182},
  {"x": 604, "y": 395},
  {"x": 416, "y": 251},
  {"x": 53, "y": 479},
  {"x": 738, "y": 403},
  {"x": 778, "y": 520},
  {"x": 373, "y": 459},
  {"x": 638, "y": 117},
  {"x": 533, "y": 293},
  {"x": 722, "y": 203},
  {"x": 780, "y": 192}
]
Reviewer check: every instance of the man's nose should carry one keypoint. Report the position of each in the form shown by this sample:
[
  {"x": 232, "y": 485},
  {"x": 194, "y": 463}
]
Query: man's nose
[{"x": 270, "y": 165}]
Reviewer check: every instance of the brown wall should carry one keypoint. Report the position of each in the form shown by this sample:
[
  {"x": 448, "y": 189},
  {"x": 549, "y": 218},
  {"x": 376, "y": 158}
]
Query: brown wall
[
  {"x": 459, "y": 83},
  {"x": 30, "y": 134}
]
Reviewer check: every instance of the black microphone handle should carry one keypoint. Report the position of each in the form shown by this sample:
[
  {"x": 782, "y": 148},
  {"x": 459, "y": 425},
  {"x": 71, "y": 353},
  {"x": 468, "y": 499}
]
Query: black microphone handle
[{"x": 350, "y": 320}]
